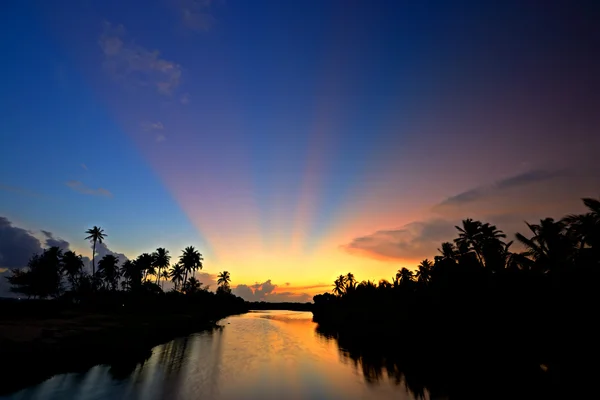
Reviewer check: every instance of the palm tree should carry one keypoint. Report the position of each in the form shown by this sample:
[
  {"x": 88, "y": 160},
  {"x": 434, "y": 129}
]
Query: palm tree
[
  {"x": 108, "y": 269},
  {"x": 339, "y": 286},
  {"x": 470, "y": 237},
  {"x": 448, "y": 251},
  {"x": 72, "y": 265},
  {"x": 423, "y": 274},
  {"x": 191, "y": 260},
  {"x": 224, "y": 278},
  {"x": 550, "y": 247},
  {"x": 161, "y": 260},
  {"x": 96, "y": 234},
  {"x": 350, "y": 281},
  {"x": 192, "y": 286},
  {"x": 405, "y": 276},
  {"x": 165, "y": 276},
  {"x": 176, "y": 275},
  {"x": 131, "y": 273},
  {"x": 144, "y": 264}
]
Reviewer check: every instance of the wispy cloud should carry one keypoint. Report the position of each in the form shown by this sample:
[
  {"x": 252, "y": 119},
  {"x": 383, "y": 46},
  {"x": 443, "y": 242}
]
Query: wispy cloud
[
  {"x": 519, "y": 180},
  {"x": 196, "y": 14},
  {"x": 184, "y": 99},
  {"x": 157, "y": 128},
  {"x": 80, "y": 187},
  {"x": 128, "y": 60},
  {"x": 84, "y": 166}
]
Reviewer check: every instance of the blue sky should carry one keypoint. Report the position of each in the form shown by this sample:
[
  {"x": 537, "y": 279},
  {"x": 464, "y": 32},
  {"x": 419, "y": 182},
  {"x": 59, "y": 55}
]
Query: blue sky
[{"x": 272, "y": 134}]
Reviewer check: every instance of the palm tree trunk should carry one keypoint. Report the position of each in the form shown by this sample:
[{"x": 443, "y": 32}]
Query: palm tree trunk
[{"x": 94, "y": 265}]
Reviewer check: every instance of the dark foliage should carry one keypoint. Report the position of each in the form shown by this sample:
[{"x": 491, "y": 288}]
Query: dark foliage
[{"x": 481, "y": 305}]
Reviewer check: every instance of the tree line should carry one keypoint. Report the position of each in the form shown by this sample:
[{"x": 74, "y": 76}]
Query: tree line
[
  {"x": 52, "y": 273},
  {"x": 480, "y": 306},
  {"x": 553, "y": 248}
]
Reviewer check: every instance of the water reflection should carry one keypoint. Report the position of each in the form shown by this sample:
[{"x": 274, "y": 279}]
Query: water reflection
[{"x": 262, "y": 355}]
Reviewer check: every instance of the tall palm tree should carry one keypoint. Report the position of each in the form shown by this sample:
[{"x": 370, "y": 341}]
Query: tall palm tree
[
  {"x": 176, "y": 275},
  {"x": 72, "y": 265},
  {"x": 108, "y": 269},
  {"x": 191, "y": 260},
  {"x": 161, "y": 260},
  {"x": 96, "y": 234},
  {"x": 224, "y": 278}
]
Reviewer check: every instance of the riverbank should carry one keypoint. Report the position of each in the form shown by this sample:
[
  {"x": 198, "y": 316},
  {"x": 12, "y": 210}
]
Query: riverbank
[{"x": 34, "y": 347}]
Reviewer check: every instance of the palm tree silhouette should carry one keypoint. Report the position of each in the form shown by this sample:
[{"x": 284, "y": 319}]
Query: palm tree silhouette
[
  {"x": 144, "y": 264},
  {"x": 423, "y": 274},
  {"x": 224, "y": 278},
  {"x": 129, "y": 271},
  {"x": 161, "y": 260},
  {"x": 176, "y": 275},
  {"x": 339, "y": 285},
  {"x": 350, "y": 281},
  {"x": 191, "y": 260},
  {"x": 448, "y": 251},
  {"x": 405, "y": 276},
  {"x": 72, "y": 265},
  {"x": 108, "y": 269},
  {"x": 165, "y": 276},
  {"x": 469, "y": 237},
  {"x": 96, "y": 234},
  {"x": 192, "y": 285}
]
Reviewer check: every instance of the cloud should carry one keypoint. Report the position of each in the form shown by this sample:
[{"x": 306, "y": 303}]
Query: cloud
[
  {"x": 412, "y": 241},
  {"x": 17, "y": 245},
  {"x": 524, "y": 179},
  {"x": 52, "y": 241},
  {"x": 185, "y": 99},
  {"x": 80, "y": 187},
  {"x": 266, "y": 291},
  {"x": 103, "y": 250},
  {"x": 153, "y": 126},
  {"x": 196, "y": 15},
  {"x": 129, "y": 61},
  {"x": 84, "y": 166},
  {"x": 157, "y": 128}
]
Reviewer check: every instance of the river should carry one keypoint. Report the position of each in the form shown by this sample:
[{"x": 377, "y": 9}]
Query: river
[{"x": 259, "y": 355}]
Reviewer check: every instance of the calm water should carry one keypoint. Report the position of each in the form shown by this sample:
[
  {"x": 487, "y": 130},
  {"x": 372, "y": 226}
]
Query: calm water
[{"x": 259, "y": 355}]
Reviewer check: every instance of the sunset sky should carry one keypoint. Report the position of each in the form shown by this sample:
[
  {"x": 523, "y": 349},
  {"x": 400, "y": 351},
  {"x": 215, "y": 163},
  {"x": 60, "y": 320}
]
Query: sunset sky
[{"x": 291, "y": 141}]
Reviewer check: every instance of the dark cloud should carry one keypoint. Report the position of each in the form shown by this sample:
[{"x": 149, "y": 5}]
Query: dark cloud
[
  {"x": 103, "y": 250},
  {"x": 52, "y": 241},
  {"x": 515, "y": 181},
  {"x": 266, "y": 291},
  {"x": 414, "y": 240},
  {"x": 17, "y": 245}
]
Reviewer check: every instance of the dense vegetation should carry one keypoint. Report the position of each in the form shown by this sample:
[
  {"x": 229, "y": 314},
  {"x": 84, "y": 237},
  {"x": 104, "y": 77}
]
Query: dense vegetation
[
  {"x": 480, "y": 304},
  {"x": 53, "y": 274}
]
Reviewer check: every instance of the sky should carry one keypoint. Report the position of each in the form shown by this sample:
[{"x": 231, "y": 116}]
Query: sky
[{"x": 292, "y": 141}]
